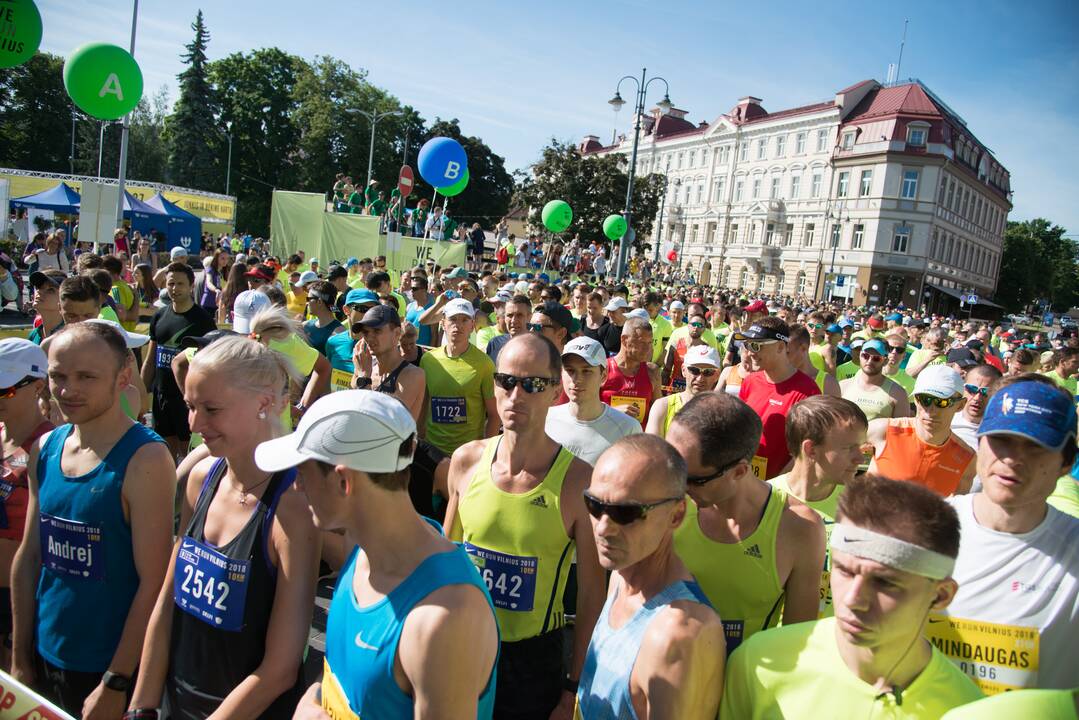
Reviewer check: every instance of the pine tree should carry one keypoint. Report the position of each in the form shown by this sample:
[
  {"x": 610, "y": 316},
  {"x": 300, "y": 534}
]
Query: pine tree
[{"x": 191, "y": 131}]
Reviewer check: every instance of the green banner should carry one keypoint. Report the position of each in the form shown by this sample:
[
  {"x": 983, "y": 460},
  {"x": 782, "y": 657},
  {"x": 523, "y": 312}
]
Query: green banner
[{"x": 403, "y": 253}]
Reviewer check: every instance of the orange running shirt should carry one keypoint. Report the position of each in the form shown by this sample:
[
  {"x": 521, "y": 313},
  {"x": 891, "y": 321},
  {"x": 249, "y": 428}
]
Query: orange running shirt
[{"x": 906, "y": 457}]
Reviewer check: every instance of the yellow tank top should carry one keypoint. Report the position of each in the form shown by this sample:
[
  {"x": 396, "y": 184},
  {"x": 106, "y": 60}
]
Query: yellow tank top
[
  {"x": 875, "y": 402},
  {"x": 740, "y": 579},
  {"x": 518, "y": 543},
  {"x": 827, "y": 509},
  {"x": 816, "y": 356},
  {"x": 819, "y": 379},
  {"x": 673, "y": 406}
]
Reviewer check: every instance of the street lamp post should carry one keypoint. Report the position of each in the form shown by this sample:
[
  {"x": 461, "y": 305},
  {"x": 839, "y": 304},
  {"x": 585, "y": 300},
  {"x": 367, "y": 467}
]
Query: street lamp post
[
  {"x": 228, "y": 167},
  {"x": 122, "y": 175},
  {"x": 662, "y": 205},
  {"x": 373, "y": 118},
  {"x": 617, "y": 102}
]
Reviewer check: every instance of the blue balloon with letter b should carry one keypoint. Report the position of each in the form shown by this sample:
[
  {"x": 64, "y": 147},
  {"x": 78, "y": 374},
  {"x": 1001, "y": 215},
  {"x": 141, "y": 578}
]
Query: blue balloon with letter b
[{"x": 442, "y": 161}]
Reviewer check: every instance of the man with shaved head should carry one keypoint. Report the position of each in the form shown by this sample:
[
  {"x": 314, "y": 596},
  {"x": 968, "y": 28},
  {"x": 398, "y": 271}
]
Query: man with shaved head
[
  {"x": 516, "y": 503},
  {"x": 655, "y": 611}
]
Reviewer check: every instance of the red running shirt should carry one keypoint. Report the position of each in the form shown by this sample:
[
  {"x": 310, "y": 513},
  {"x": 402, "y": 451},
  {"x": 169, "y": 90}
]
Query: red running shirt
[
  {"x": 622, "y": 392},
  {"x": 772, "y": 401}
]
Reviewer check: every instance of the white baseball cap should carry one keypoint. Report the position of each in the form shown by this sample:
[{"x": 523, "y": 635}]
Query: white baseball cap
[
  {"x": 587, "y": 348},
  {"x": 639, "y": 313},
  {"x": 133, "y": 340},
  {"x": 248, "y": 304},
  {"x": 942, "y": 381},
  {"x": 20, "y": 359},
  {"x": 502, "y": 297},
  {"x": 360, "y": 429},
  {"x": 459, "y": 306},
  {"x": 307, "y": 276},
  {"x": 677, "y": 305},
  {"x": 178, "y": 252},
  {"x": 616, "y": 303},
  {"x": 702, "y": 355}
]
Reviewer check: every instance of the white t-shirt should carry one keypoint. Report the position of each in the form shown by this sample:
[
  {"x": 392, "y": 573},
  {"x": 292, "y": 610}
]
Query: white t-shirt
[
  {"x": 968, "y": 433},
  {"x": 588, "y": 440},
  {"x": 1015, "y": 620}
]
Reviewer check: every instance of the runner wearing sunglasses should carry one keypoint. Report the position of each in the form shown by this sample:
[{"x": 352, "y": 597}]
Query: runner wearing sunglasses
[
  {"x": 553, "y": 321},
  {"x": 871, "y": 390},
  {"x": 978, "y": 386},
  {"x": 757, "y": 552},
  {"x": 655, "y": 610},
  {"x": 516, "y": 502},
  {"x": 924, "y": 449},
  {"x": 772, "y": 391},
  {"x": 633, "y": 382},
  {"x": 702, "y": 366},
  {"x": 824, "y": 337},
  {"x": 825, "y": 435},
  {"x": 692, "y": 334},
  {"x": 893, "y": 366},
  {"x": 893, "y": 552}
]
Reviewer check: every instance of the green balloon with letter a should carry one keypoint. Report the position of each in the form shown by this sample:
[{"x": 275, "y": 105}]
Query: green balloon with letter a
[{"x": 103, "y": 80}]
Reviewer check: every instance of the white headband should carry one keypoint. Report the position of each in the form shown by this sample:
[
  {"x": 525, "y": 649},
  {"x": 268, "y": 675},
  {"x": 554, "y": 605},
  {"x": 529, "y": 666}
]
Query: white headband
[{"x": 891, "y": 551}]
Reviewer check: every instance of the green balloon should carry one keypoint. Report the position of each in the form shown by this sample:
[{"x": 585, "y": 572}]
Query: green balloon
[
  {"x": 557, "y": 215},
  {"x": 615, "y": 226},
  {"x": 20, "y": 32},
  {"x": 103, "y": 80},
  {"x": 456, "y": 188}
]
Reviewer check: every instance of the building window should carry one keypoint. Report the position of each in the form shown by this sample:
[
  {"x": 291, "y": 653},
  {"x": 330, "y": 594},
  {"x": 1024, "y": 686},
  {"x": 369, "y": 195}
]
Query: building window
[
  {"x": 796, "y": 185},
  {"x": 761, "y": 150},
  {"x": 966, "y": 201},
  {"x": 760, "y": 281},
  {"x": 901, "y": 240},
  {"x": 678, "y": 195},
  {"x": 745, "y": 278},
  {"x": 732, "y": 234},
  {"x": 801, "y": 283},
  {"x": 738, "y": 186},
  {"x": 859, "y": 233},
  {"x": 933, "y": 247},
  {"x": 910, "y": 185},
  {"x": 774, "y": 192},
  {"x": 916, "y": 137},
  {"x": 841, "y": 186},
  {"x": 814, "y": 189},
  {"x": 700, "y": 193},
  {"x": 848, "y": 140},
  {"x": 800, "y": 143},
  {"x": 678, "y": 161},
  {"x": 717, "y": 190},
  {"x": 949, "y": 254},
  {"x": 943, "y": 191},
  {"x": 837, "y": 232},
  {"x": 770, "y": 234},
  {"x": 810, "y": 230},
  {"x": 756, "y": 188},
  {"x": 724, "y": 155},
  {"x": 867, "y": 183},
  {"x": 822, "y": 140},
  {"x": 743, "y": 151},
  {"x": 752, "y": 234},
  {"x": 726, "y": 277},
  {"x": 781, "y": 146},
  {"x": 788, "y": 237}
]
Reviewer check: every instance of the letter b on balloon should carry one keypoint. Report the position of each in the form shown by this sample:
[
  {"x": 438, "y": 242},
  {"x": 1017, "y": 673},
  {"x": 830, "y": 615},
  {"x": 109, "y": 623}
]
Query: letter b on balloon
[
  {"x": 442, "y": 161},
  {"x": 103, "y": 80}
]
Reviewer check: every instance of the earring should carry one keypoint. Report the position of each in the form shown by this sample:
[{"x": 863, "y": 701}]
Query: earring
[{"x": 262, "y": 414}]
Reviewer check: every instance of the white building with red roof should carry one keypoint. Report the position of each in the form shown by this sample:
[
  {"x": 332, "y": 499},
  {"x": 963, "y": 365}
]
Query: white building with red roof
[{"x": 880, "y": 194}]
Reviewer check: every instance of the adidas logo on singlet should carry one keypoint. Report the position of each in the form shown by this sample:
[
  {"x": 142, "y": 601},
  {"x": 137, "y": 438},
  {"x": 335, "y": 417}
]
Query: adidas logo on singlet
[
  {"x": 539, "y": 501},
  {"x": 753, "y": 551}
]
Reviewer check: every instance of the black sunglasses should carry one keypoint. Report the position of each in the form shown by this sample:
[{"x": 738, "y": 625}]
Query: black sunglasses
[
  {"x": 705, "y": 479},
  {"x": 621, "y": 513},
  {"x": 9, "y": 392},
  {"x": 707, "y": 372},
  {"x": 538, "y": 327},
  {"x": 928, "y": 401},
  {"x": 529, "y": 384}
]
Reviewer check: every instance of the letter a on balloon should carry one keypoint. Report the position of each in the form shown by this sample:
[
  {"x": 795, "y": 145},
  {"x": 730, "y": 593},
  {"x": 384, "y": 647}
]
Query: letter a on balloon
[{"x": 112, "y": 87}]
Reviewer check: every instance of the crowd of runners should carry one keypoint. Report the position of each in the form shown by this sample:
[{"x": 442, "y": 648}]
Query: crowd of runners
[{"x": 541, "y": 497}]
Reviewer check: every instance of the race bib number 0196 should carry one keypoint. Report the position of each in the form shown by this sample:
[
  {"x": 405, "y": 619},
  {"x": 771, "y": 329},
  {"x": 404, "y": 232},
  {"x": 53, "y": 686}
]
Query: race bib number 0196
[
  {"x": 210, "y": 586},
  {"x": 511, "y": 579},
  {"x": 449, "y": 410},
  {"x": 997, "y": 657},
  {"x": 72, "y": 548}
]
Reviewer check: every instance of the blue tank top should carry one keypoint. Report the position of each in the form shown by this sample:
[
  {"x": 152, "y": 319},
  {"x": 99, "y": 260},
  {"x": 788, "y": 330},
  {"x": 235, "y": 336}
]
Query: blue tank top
[
  {"x": 88, "y": 577},
  {"x": 603, "y": 693},
  {"x": 361, "y": 642}
]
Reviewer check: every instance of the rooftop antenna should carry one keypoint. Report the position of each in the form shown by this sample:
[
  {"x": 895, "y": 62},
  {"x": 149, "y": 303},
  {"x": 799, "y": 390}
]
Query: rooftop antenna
[
  {"x": 891, "y": 75},
  {"x": 901, "y": 44}
]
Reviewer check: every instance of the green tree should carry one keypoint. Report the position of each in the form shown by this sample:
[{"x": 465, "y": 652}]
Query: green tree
[
  {"x": 35, "y": 116},
  {"x": 594, "y": 186},
  {"x": 490, "y": 187},
  {"x": 1039, "y": 262},
  {"x": 258, "y": 102},
  {"x": 146, "y": 155},
  {"x": 191, "y": 129}
]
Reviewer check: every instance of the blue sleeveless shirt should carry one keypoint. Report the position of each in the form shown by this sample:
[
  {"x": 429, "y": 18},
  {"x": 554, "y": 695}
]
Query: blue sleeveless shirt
[
  {"x": 603, "y": 693},
  {"x": 88, "y": 577},
  {"x": 361, "y": 642}
]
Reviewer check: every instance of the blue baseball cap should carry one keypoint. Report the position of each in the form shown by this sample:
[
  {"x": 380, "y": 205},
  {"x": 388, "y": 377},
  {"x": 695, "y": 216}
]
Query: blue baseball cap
[
  {"x": 845, "y": 323},
  {"x": 833, "y": 328},
  {"x": 361, "y": 296},
  {"x": 894, "y": 317},
  {"x": 544, "y": 277},
  {"x": 1033, "y": 410},
  {"x": 876, "y": 346},
  {"x": 352, "y": 261}
]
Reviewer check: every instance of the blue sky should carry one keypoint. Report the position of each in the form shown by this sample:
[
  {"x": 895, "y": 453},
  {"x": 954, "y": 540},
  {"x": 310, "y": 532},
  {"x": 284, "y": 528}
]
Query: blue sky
[{"x": 517, "y": 74}]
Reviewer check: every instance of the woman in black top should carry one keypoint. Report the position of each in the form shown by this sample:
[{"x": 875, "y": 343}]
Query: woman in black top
[{"x": 229, "y": 630}]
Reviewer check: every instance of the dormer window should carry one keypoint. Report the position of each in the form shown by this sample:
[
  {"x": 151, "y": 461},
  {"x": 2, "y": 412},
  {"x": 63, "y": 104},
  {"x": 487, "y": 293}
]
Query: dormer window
[
  {"x": 916, "y": 137},
  {"x": 848, "y": 140}
]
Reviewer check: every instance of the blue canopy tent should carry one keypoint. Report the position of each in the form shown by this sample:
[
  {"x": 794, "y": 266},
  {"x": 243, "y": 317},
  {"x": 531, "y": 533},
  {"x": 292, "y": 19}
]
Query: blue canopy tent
[
  {"x": 60, "y": 199},
  {"x": 145, "y": 218},
  {"x": 184, "y": 228}
]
